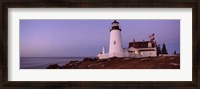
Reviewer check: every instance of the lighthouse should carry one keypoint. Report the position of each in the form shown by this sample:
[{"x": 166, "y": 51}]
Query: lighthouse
[
  {"x": 135, "y": 49},
  {"x": 116, "y": 47}
]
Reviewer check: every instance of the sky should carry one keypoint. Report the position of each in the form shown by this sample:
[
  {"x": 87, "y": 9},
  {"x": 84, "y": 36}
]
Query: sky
[{"x": 85, "y": 38}]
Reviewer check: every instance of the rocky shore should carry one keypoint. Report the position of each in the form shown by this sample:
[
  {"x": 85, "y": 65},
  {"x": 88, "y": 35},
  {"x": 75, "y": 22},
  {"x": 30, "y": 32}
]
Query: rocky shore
[{"x": 162, "y": 62}]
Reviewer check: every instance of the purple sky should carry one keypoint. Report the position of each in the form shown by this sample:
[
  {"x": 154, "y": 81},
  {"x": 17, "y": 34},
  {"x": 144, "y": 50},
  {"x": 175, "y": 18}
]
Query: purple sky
[{"x": 85, "y": 38}]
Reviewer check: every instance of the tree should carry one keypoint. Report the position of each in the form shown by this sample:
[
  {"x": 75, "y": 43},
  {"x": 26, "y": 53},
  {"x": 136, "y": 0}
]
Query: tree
[
  {"x": 164, "y": 50},
  {"x": 158, "y": 50},
  {"x": 174, "y": 52}
]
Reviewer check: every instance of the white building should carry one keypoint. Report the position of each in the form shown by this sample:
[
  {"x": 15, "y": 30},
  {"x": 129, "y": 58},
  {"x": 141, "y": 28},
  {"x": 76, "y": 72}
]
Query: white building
[
  {"x": 136, "y": 49},
  {"x": 115, "y": 48}
]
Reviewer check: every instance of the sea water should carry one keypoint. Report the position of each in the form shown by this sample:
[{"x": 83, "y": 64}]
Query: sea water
[{"x": 44, "y": 62}]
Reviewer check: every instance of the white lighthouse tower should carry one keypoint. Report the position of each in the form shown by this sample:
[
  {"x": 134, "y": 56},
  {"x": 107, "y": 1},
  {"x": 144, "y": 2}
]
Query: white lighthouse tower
[{"x": 116, "y": 47}]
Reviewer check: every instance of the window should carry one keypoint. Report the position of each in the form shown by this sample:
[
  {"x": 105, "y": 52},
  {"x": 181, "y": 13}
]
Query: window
[
  {"x": 149, "y": 45},
  {"x": 114, "y": 43},
  {"x": 141, "y": 53}
]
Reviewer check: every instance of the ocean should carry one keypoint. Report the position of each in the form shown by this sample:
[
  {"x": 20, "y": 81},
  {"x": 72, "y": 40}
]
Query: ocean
[{"x": 43, "y": 62}]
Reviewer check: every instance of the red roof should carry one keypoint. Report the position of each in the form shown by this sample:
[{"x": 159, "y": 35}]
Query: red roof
[{"x": 141, "y": 44}]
